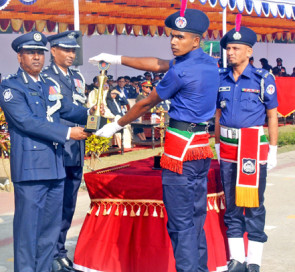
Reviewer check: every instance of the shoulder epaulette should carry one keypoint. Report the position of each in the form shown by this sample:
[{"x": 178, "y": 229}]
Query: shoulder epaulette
[
  {"x": 261, "y": 72},
  {"x": 10, "y": 76}
]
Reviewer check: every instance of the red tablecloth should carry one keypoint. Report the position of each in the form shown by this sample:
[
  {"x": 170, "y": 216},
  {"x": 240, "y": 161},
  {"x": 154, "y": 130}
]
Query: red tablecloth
[
  {"x": 125, "y": 229},
  {"x": 286, "y": 95}
]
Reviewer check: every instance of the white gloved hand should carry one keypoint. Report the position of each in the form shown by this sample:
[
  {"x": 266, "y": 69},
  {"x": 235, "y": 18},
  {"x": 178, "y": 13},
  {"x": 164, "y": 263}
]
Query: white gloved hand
[
  {"x": 108, "y": 130},
  {"x": 272, "y": 157},
  {"x": 217, "y": 149},
  {"x": 109, "y": 58}
]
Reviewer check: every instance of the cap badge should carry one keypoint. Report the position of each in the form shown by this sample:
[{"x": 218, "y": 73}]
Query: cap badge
[
  {"x": 71, "y": 35},
  {"x": 180, "y": 22},
  {"x": 37, "y": 37},
  {"x": 237, "y": 36}
]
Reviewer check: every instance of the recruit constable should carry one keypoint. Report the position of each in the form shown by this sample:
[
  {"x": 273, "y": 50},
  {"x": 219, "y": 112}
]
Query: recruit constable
[{"x": 191, "y": 84}]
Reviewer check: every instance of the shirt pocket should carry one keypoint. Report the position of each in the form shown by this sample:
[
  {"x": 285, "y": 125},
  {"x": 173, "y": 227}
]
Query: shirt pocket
[
  {"x": 249, "y": 101},
  {"x": 35, "y": 155}
]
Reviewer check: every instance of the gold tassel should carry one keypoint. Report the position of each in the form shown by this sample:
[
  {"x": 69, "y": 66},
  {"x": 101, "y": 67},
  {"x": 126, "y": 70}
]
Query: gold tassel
[
  {"x": 146, "y": 212},
  {"x": 138, "y": 211},
  {"x": 125, "y": 211},
  {"x": 109, "y": 210},
  {"x": 98, "y": 209},
  {"x": 221, "y": 204},
  {"x": 209, "y": 204},
  {"x": 155, "y": 214},
  {"x": 247, "y": 197},
  {"x": 90, "y": 211},
  {"x": 132, "y": 214},
  {"x": 216, "y": 206},
  {"x": 105, "y": 210},
  {"x": 117, "y": 211},
  {"x": 162, "y": 213}
]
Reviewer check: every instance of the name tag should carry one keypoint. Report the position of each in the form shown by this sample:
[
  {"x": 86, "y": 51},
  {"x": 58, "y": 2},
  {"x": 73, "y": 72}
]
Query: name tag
[
  {"x": 224, "y": 89},
  {"x": 250, "y": 90},
  {"x": 34, "y": 93}
]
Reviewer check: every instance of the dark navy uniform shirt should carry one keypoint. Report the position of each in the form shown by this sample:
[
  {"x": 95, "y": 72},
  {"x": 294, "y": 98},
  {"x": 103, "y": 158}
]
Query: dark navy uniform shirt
[
  {"x": 243, "y": 103},
  {"x": 36, "y": 142},
  {"x": 191, "y": 84}
]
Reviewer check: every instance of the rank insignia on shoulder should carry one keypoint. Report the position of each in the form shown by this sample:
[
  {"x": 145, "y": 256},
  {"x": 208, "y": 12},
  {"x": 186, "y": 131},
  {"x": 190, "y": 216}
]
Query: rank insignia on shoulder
[
  {"x": 7, "y": 95},
  {"x": 54, "y": 94},
  {"x": 270, "y": 89},
  {"x": 224, "y": 89}
]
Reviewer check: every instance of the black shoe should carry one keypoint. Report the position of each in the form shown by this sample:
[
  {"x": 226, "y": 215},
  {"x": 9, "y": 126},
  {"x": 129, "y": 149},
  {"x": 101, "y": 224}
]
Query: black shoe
[
  {"x": 253, "y": 268},
  {"x": 57, "y": 266},
  {"x": 63, "y": 265},
  {"x": 236, "y": 266}
]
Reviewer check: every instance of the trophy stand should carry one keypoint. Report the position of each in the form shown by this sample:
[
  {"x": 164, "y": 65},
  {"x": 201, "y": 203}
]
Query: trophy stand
[
  {"x": 96, "y": 121},
  {"x": 157, "y": 158}
]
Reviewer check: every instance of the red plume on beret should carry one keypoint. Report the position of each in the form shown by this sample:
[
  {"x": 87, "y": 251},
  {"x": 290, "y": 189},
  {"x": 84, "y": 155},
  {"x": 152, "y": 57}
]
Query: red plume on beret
[
  {"x": 238, "y": 21},
  {"x": 183, "y": 7}
]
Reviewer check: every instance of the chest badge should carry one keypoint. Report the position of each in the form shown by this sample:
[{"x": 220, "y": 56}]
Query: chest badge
[
  {"x": 54, "y": 94},
  {"x": 224, "y": 89}
]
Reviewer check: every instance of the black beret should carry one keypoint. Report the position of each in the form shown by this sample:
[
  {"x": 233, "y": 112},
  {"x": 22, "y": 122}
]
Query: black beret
[
  {"x": 147, "y": 74},
  {"x": 194, "y": 21},
  {"x": 244, "y": 36},
  {"x": 67, "y": 39},
  {"x": 31, "y": 40},
  {"x": 279, "y": 59}
]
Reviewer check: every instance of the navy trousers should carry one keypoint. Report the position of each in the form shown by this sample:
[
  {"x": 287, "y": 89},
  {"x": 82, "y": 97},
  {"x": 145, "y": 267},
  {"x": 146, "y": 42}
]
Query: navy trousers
[
  {"x": 239, "y": 219},
  {"x": 36, "y": 224},
  {"x": 185, "y": 199},
  {"x": 72, "y": 184}
]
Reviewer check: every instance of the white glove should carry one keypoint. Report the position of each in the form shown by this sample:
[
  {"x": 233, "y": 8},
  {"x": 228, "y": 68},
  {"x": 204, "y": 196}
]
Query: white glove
[
  {"x": 112, "y": 59},
  {"x": 217, "y": 149},
  {"x": 272, "y": 157},
  {"x": 108, "y": 130}
]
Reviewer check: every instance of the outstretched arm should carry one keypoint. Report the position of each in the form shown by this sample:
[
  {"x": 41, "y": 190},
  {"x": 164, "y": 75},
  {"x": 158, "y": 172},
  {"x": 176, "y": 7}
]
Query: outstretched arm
[
  {"x": 146, "y": 63},
  {"x": 141, "y": 63}
]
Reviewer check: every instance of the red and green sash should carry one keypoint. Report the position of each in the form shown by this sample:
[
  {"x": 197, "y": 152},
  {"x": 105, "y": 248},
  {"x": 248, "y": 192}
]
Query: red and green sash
[
  {"x": 183, "y": 146},
  {"x": 248, "y": 152}
]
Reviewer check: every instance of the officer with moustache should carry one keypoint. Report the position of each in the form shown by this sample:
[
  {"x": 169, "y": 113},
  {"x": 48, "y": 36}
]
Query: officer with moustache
[
  {"x": 33, "y": 105},
  {"x": 72, "y": 85},
  {"x": 247, "y": 96},
  {"x": 191, "y": 84}
]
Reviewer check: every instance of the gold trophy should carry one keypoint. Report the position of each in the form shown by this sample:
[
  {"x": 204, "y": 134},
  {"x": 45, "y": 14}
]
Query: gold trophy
[
  {"x": 96, "y": 121},
  {"x": 157, "y": 158}
]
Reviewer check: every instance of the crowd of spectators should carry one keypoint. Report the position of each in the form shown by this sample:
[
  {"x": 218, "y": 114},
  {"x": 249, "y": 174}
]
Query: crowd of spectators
[{"x": 121, "y": 94}]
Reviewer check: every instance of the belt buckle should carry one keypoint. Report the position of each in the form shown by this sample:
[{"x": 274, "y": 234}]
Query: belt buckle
[
  {"x": 233, "y": 133},
  {"x": 191, "y": 127}
]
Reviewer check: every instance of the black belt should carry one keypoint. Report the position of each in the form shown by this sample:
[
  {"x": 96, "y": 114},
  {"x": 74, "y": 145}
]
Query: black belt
[{"x": 186, "y": 126}]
